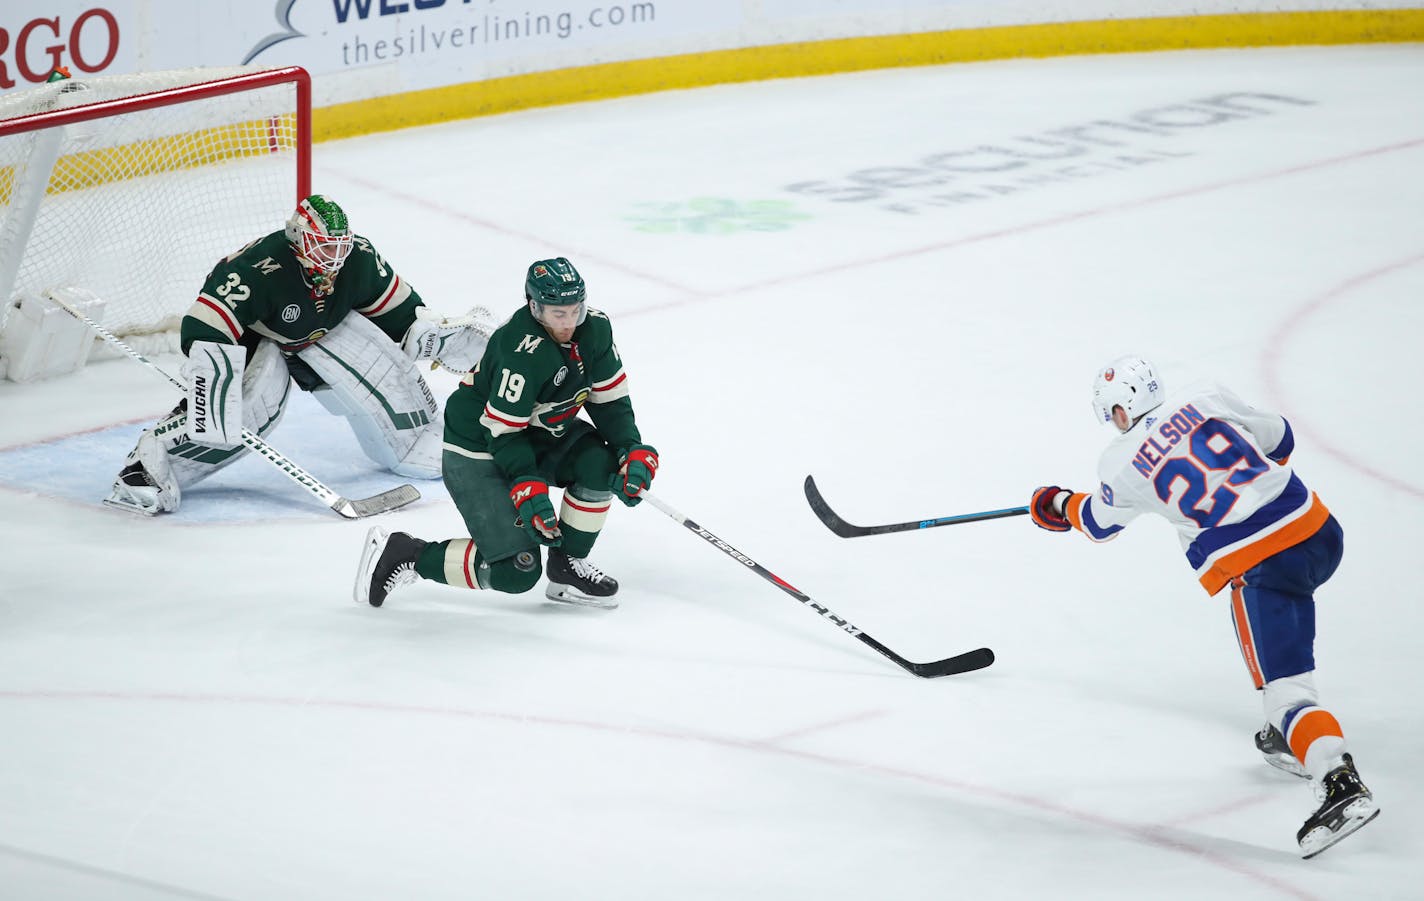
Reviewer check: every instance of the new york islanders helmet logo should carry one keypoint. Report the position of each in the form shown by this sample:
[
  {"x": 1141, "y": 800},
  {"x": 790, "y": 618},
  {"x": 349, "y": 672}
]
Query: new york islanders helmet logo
[{"x": 1108, "y": 374}]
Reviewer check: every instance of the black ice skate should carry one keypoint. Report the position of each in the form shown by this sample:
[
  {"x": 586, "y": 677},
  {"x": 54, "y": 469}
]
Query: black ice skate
[
  {"x": 573, "y": 580},
  {"x": 387, "y": 561},
  {"x": 1346, "y": 806},
  {"x": 1272, "y": 745}
]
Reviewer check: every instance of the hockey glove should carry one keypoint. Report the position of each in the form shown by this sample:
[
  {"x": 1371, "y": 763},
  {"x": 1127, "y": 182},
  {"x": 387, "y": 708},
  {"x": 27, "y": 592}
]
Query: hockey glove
[
  {"x": 1046, "y": 508},
  {"x": 455, "y": 342},
  {"x": 636, "y": 468},
  {"x": 536, "y": 512},
  {"x": 214, "y": 375}
]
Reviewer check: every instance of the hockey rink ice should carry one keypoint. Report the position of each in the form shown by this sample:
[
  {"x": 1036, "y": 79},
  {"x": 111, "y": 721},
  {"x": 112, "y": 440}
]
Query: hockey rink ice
[{"x": 901, "y": 282}]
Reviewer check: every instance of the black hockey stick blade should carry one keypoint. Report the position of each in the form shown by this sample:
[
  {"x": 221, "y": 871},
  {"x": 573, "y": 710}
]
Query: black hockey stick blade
[
  {"x": 836, "y": 524},
  {"x": 967, "y": 662}
]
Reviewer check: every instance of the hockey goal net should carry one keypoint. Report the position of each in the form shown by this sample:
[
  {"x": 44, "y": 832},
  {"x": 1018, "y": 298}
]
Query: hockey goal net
[{"x": 131, "y": 187}]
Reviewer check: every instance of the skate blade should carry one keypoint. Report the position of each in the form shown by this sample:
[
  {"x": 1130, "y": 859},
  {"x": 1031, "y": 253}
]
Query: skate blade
[
  {"x": 130, "y": 506},
  {"x": 375, "y": 539},
  {"x": 1287, "y": 764},
  {"x": 570, "y": 597},
  {"x": 1321, "y": 838}
]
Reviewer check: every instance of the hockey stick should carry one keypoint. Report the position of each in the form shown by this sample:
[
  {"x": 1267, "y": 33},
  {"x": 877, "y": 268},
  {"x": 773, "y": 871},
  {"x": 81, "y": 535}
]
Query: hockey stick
[
  {"x": 846, "y": 530},
  {"x": 351, "y": 508},
  {"x": 963, "y": 663}
]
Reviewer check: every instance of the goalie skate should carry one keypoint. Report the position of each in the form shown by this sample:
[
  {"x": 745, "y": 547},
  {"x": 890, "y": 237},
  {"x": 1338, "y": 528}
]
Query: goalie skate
[
  {"x": 387, "y": 562},
  {"x": 136, "y": 491},
  {"x": 573, "y": 580},
  {"x": 1272, "y": 745},
  {"x": 1346, "y": 805}
]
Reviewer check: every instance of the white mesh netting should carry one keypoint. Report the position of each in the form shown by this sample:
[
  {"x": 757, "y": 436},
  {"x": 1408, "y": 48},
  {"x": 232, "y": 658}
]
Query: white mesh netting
[{"x": 139, "y": 206}]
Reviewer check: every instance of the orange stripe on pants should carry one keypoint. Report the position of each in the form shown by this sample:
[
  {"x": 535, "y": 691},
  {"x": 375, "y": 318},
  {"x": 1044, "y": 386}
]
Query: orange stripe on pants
[
  {"x": 1310, "y": 725},
  {"x": 1243, "y": 632}
]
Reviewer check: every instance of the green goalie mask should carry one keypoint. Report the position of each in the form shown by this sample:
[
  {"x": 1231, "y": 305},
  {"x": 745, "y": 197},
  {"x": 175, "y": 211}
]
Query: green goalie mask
[{"x": 555, "y": 283}]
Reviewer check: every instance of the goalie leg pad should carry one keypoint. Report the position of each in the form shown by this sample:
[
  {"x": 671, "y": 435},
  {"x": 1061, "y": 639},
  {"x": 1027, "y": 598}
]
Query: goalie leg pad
[
  {"x": 381, "y": 393},
  {"x": 172, "y": 450},
  {"x": 214, "y": 375}
]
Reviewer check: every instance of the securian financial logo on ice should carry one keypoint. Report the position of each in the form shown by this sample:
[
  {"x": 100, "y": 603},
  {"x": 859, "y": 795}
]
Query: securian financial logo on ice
[{"x": 972, "y": 174}]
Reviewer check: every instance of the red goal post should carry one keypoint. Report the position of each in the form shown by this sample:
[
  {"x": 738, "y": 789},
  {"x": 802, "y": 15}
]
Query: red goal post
[{"x": 131, "y": 187}]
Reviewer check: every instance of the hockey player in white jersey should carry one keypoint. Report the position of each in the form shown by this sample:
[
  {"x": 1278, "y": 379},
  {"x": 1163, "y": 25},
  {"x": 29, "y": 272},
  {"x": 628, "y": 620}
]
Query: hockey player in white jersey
[{"x": 1217, "y": 469}]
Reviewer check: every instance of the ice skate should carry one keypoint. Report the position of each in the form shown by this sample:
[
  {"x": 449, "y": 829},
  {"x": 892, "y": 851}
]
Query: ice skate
[
  {"x": 1272, "y": 745},
  {"x": 136, "y": 491},
  {"x": 573, "y": 580},
  {"x": 387, "y": 561},
  {"x": 1346, "y": 805}
]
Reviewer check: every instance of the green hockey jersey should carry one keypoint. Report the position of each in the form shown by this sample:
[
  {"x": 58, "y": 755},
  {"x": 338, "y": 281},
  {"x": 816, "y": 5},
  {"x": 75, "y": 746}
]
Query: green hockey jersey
[
  {"x": 526, "y": 390},
  {"x": 260, "y": 289}
]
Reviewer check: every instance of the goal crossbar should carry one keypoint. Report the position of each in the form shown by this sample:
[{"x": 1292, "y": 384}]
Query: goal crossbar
[{"x": 294, "y": 75}]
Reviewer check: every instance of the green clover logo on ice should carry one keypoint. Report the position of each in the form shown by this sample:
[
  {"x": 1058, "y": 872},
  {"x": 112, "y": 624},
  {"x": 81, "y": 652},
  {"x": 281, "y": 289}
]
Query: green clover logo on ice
[{"x": 715, "y": 216}]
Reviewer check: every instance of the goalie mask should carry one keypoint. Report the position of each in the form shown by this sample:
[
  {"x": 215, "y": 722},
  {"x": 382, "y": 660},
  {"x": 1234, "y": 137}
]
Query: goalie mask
[
  {"x": 556, "y": 294},
  {"x": 321, "y": 238},
  {"x": 1127, "y": 382}
]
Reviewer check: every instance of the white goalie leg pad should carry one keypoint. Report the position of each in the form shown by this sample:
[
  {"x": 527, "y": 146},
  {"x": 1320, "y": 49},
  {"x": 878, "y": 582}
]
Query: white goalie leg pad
[
  {"x": 265, "y": 387},
  {"x": 214, "y": 375},
  {"x": 370, "y": 381}
]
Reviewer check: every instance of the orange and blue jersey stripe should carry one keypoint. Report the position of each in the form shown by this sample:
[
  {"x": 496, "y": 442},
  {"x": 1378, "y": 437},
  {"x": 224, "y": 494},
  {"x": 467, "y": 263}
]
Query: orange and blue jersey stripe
[{"x": 1221, "y": 553}]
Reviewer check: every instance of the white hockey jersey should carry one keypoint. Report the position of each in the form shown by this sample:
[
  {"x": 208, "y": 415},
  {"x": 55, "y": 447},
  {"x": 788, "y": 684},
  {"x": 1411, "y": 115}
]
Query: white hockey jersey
[{"x": 1216, "y": 469}]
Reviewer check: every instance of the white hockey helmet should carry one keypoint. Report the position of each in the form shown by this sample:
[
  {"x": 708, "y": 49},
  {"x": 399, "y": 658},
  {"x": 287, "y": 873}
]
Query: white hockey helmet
[{"x": 1128, "y": 382}]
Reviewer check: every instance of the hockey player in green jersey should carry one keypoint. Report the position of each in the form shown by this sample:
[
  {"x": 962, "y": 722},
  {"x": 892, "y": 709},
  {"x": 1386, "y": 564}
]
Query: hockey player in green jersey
[
  {"x": 314, "y": 303},
  {"x": 512, "y": 430}
]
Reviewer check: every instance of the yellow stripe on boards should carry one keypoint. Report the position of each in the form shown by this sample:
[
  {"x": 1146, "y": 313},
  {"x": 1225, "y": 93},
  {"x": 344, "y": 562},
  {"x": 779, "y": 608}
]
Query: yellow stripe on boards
[
  {"x": 189, "y": 150},
  {"x": 622, "y": 79}
]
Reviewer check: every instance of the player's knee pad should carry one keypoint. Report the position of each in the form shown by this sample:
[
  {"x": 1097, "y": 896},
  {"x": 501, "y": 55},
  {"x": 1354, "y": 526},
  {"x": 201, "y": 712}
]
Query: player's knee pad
[
  {"x": 368, "y": 380},
  {"x": 516, "y": 574}
]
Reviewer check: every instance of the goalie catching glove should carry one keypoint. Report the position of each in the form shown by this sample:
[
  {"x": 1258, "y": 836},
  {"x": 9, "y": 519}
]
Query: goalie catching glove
[
  {"x": 536, "y": 512},
  {"x": 636, "y": 468},
  {"x": 1046, "y": 508},
  {"x": 214, "y": 376},
  {"x": 455, "y": 342}
]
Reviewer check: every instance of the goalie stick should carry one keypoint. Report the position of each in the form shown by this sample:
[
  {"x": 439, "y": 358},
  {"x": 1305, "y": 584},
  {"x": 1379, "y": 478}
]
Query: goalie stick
[
  {"x": 351, "y": 508},
  {"x": 844, "y": 529},
  {"x": 962, "y": 663}
]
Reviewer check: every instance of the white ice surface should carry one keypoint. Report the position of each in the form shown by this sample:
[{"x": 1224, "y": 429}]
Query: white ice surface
[{"x": 192, "y": 707}]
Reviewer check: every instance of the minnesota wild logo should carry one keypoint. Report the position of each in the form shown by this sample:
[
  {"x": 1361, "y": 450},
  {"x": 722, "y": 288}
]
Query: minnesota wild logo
[{"x": 715, "y": 216}]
